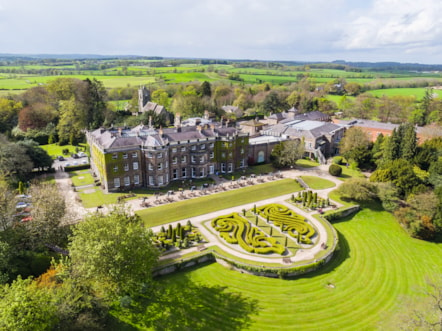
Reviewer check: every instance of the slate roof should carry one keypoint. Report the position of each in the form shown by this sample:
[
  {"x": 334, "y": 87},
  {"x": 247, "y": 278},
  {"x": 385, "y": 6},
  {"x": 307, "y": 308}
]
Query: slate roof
[{"x": 143, "y": 135}]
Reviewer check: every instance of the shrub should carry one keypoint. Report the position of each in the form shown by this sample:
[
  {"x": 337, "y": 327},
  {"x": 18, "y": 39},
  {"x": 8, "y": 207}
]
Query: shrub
[
  {"x": 337, "y": 160},
  {"x": 335, "y": 170}
]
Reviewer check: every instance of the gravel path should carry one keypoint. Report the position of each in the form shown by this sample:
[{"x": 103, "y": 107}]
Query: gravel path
[{"x": 78, "y": 212}]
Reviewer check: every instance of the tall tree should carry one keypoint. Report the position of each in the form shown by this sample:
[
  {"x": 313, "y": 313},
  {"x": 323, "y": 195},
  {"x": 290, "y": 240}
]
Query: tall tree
[
  {"x": 392, "y": 147},
  {"x": 355, "y": 145},
  {"x": 287, "y": 153},
  {"x": 8, "y": 114},
  {"x": 114, "y": 253},
  {"x": 14, "y": 162},
  {"x": 39, "y": 157},
  {"x": 205, "y": 89},
  {"x": 95, "y": 103},
  {"x": 408, "y": 145},
  {"x": 48, "y": 212}
]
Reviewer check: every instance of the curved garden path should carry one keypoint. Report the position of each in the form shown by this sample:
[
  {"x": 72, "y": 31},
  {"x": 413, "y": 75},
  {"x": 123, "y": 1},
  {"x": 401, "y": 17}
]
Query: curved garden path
[{"x": 215, "y": 240}]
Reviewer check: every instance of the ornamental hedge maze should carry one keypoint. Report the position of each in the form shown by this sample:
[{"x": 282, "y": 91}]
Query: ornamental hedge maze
[
  {"x": 295, "y": 225},
  {"x": 235, "y": 229}
]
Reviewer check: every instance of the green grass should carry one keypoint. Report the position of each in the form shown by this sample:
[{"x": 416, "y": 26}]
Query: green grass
[
  {"x": 376, "y": 267},
  {"x": 317, "y": 183},
  {"x": 418, "y": 93},
  {"x": 306, "y": 163},
  {"x": 194, "y": 207},
  {"x": 81, "y": 178},
  {"x": 56, "y": 150},
  {"x": 348, "y": 173},
  {"x": 98, "y": 198}
]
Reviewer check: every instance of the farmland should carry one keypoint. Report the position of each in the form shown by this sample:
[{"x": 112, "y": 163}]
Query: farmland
[{"x": 115, "y": 73}]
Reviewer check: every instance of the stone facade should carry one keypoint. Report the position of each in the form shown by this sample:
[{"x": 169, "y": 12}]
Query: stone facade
[{"x": 126, "y": 158}]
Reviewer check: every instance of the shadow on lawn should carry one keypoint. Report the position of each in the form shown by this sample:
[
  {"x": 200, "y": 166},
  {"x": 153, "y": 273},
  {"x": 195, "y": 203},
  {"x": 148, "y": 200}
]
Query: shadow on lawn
[
  {"x": 180, "y": 304},
  {"x": 339, "y": 257}
]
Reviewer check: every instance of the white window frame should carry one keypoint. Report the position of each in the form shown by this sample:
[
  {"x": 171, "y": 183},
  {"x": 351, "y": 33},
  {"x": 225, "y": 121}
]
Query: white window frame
[
  {"x": 125, "y": 155},
  {"x": 174, "y": 150},
  {"x": 115, "y": 168},
  {"x": 183, "y": 172},
  {"x": 183, "y": 148},
  {"x": 117, "y": 182},
  {"x": 175, "y": 173},
  {"x": 203, "y": 146},
  {"x": 175, "y": 160},
  {"x": 134, "y": 154},
  {"x": 149, "y": 155},
  {"x": 183, "y": 158},
  {"x": 193, "y": 148},
  {"x": 202, "y": 159},
  {"x": 114, "y": 156},
  {"x": 135, "y": 165},
  {"x": 150, "y": 166},
  {"x": 192, "y": 158},
  {"x": 136, "y": 179},
  {"x": 159, "y": 155},
  {"x": 211, "y": 169},
  {"x": 126, "y": 167},
  {"x": 160, "y": 166},
  {"x": 230, "y": 167},
  {"x": 126, "y": 181},
  {"x": 151, "y": 181},
  {"x": 212, "y": 155},
  {"x": 193, "y": 172},
  {"x": 160, "y": 180}
]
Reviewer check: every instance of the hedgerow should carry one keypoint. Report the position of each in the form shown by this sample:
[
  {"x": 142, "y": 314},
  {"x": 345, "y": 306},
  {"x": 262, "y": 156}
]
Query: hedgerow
[{"x": 236, "y": 230}]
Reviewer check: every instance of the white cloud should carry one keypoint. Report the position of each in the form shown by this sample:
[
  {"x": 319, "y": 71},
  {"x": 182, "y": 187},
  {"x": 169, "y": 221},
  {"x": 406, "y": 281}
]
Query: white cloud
[
  {"x": 257, "y": 29},
  {"x": 400, "y": 24}
]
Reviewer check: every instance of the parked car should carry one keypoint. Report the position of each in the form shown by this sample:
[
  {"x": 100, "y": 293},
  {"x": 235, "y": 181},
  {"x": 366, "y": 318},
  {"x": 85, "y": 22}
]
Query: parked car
[
  {"x": 81, "y": 154},
  {"x": 60, "y": 158},
  {"x": 75, "y": 156},
  {"x": 84, "y": 162}
]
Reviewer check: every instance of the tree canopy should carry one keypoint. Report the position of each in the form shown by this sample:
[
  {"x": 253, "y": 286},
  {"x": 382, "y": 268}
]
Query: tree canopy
[{"x": 114, "y": 253}]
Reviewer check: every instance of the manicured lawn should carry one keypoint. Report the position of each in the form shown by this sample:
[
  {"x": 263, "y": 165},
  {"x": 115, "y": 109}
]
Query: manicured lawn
[
  {"x": 81, "y": 178},
  {"x": 376, "y": 267},
  {"x": 206, "y": 204},
  {"x": 317, "y": 183},
  {"x": 56, "y": 150},
  {"x": 306, "y": 163},
  {"x": 98, "y": 198},
  {"x": 348, "y": 173}
]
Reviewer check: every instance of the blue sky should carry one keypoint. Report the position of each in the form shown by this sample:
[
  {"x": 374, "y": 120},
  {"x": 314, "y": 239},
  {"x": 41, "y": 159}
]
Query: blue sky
[{"x": 314, "y": 30}]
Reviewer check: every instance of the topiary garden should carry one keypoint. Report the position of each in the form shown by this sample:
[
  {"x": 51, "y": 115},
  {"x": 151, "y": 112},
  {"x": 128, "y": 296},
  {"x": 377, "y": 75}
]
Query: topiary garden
[
  {"x": 295, "y": 225},
  {"x": 236, "y": 230},
  {"x": 179, "y": 236}
]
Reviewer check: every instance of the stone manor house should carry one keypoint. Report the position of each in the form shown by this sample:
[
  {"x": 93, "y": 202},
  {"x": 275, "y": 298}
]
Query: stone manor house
[{"x": 126, "y": 158}]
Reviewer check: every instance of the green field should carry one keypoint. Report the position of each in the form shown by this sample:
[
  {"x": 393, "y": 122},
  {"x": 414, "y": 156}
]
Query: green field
[
  {"x": 377, "y": 267},
  {"x": 418, "y": 93}
]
